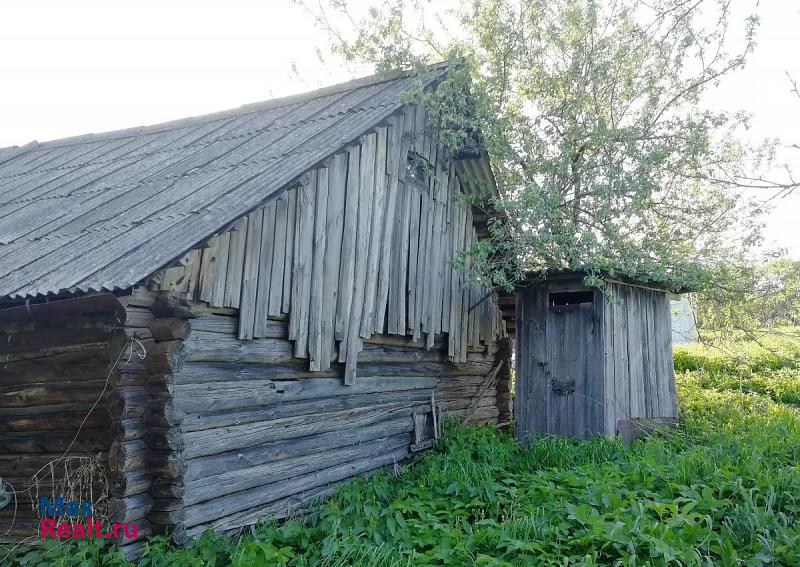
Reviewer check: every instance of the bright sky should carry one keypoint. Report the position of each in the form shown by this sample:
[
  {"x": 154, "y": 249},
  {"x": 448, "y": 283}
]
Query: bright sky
[{"x": 82, "y": 66}]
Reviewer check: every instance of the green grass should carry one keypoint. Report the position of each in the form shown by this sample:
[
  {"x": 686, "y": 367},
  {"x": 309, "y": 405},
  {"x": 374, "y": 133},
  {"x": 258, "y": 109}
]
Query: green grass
[{"x": 724, "y": 489}]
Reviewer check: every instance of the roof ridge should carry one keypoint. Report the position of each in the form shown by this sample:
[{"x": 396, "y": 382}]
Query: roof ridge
[{"x": 360, "y": 82}]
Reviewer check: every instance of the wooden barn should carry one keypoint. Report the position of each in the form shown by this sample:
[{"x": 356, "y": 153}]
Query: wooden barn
[
  {"x": 218, "y": 319},
  {"x": 592, "y": 362}
]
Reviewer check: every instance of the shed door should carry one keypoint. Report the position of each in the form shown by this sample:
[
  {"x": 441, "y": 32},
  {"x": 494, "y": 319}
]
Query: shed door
[{"x": 573, "y": 365}]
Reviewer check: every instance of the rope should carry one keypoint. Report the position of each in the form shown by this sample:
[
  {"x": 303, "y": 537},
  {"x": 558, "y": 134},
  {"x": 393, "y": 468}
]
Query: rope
[{"x": 129, "y": 345}]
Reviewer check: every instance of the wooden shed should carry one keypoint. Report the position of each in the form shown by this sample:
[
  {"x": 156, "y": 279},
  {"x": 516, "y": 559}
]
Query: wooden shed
[
  {"x": 592, "y": 361},
  {"x": 219, "y": 319}
]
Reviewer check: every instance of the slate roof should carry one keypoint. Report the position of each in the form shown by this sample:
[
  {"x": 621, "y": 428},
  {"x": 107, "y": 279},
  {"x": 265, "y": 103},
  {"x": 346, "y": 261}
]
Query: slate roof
[{"x": 103, "y": 211}]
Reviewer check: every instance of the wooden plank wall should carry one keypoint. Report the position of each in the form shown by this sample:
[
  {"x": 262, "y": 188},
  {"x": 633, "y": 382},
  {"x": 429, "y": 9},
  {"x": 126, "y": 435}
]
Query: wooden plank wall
[
  {"x": 356, "y": 249},
  {"x": 625, "y": 346},
  {"x": 260, "y": 434},
  {"x": 639, "y": 364},
  {"x": 532, "y": 377}
]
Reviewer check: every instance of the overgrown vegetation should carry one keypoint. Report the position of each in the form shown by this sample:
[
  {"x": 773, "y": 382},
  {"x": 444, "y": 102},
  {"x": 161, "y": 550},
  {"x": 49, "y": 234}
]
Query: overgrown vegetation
[
  {"x": 722, "y": 490},
  {"x": 762, "y": 296},
  {"x": 593, "y": 116}
]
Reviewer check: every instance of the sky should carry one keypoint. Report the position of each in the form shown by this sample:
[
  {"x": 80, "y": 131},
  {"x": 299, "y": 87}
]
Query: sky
[{"x": 71, "y": 68}]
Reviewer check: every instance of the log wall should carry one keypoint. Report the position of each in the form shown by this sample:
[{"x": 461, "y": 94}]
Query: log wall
[
  {"x": 250, "y": 432},
  {"x": 76, "y": 393},
  {"x": 360, "y": 247},
  {"x": 56, "y": 428}
]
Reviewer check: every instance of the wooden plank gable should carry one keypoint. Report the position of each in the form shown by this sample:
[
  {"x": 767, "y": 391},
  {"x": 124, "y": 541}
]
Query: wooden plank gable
[{"x": 358, "y": 247}]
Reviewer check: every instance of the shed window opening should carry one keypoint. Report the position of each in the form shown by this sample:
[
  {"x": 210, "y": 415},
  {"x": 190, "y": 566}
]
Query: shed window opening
[
  {"x": 417, "y": 169},
  {"x": 569, "y": 298}
]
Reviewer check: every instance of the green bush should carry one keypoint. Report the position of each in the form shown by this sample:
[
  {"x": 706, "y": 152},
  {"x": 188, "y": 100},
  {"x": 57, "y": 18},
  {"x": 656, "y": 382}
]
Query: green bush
[
  {"x": 723, "y": 489},
  {"x": 736, "y": 355}
]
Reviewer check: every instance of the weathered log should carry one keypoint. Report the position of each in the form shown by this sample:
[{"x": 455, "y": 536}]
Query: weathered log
[
  {"x": 166, "y": 464},
  {"x": 201, "y": 372},
  {"x": 158, "y": 386},
  {"x": 172, "y": 305},
  {"x": 169, "y": 518},
  {"x": 50, "y": 393},
  {"x": 168, "y": 505},
  {"x": 13, "y": 530},
  {"x": 56, "y": 324},
  {"x": 138, "y": 317},
  {"x": 129, "y": 402},
  {"x": 45, "y": 353},
  {"x": 214, "y": 441},
  {"x": 27, "y": 491},
  {"x": 42, "y": 342},
  {"x": 143, "y": 335},
  {"x": 41, "y": 418},
  {"x": 212, "y": 488},
  {"x": 195, "y": 398},
  {"x": 278, "y": 509},
  {"x": 212, "y": 323},
  {"x": 279, "y": 450},
  {"x": 90, "y": 363},
  {"x": 405, "y": 341},
  {"x": 130, "y": 509},
  {"x": 481, "y": 356},
  {"x": 170, "y": 329},
  {"x": 25, "y": 465},
  {"x": 399, "y": 354},
  {"x": 131, "y": 373},
  {"x": 442, "y": 369},
  {"x": 165, "y": 357},
  {"x": 169, "y": 512},
  {"x": 88, "y": 441},
  {"x": 128, "y": 483},
  {"x": 467, "y": 403},
  {"x": 282, "y": 409},
  {"x": 167, "y": 488},
  {"x": 127, "y": 455},
  {"x": 200, "y": 308},
  {"x": 210, "y": 347},
  {"x": 462, "y": 382},
  {"x": 139, "y": 296},
  {"x": 165, "y": 439},
  {"x": 248, "y": 499},
  {"x": 164, "y": 415},
  {"x": 461, "y": 392},
  {"x": 486, "y": 414},
  {"x": 230, "y": 326},
  {"x": 128, "y": 429},
  {"x": 210, "y": 466},
  {"x": 85, "y": 306},
  {"x": 134, "y": 550}
]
